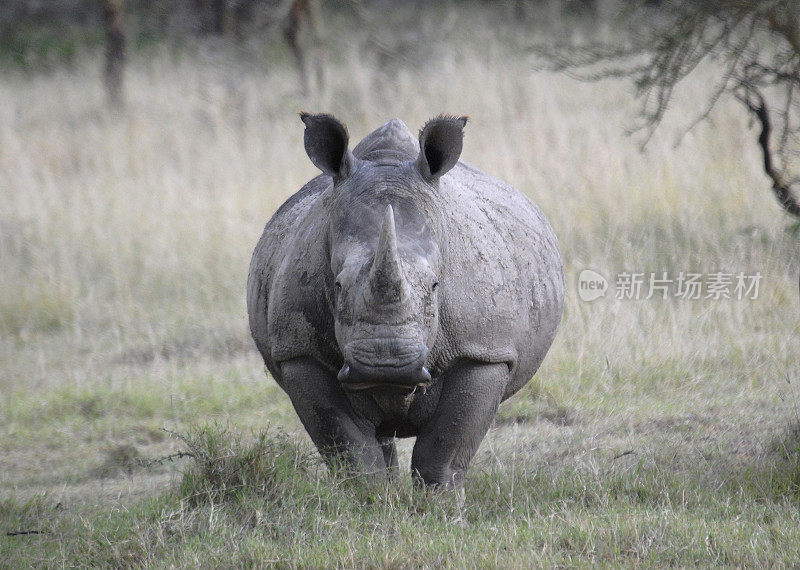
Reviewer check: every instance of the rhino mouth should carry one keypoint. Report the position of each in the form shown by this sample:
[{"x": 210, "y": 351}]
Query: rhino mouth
[
  {"x": 385, "y": 387},
  {"x": 391, "y": 365}
]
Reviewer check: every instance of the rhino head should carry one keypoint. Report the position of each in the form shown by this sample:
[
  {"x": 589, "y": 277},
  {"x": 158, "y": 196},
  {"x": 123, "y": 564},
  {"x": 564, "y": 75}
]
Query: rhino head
[{"x": 385, "y": 263}]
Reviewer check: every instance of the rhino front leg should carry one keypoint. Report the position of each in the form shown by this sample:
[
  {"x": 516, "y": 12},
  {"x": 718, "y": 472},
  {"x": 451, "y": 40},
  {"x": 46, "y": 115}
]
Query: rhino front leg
[
  {"x": 338, "y": 433},
  {"x": 389, "y": 454},
  {"x": 471, "y": 392}
]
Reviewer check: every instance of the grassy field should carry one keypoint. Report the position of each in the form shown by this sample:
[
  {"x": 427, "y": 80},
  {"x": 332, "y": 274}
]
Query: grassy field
[{"x": 658, "y": 431}]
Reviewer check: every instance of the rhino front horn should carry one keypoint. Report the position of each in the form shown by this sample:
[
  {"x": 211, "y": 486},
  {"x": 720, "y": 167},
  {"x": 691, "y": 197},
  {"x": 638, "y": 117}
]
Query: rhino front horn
[{"x": 387, "y": 284}]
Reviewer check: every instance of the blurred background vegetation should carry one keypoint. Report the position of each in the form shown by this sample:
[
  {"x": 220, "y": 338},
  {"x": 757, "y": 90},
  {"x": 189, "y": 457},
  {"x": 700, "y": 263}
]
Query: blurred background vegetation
[
  {"x": 655, "y": 44},
  {"x": 25, "y": 22}
]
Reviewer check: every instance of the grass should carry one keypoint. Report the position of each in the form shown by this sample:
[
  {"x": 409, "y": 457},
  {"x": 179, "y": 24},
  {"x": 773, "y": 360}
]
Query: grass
[
  {"x": 266, "y": 500},
  {"x": 660, "y": 432}
]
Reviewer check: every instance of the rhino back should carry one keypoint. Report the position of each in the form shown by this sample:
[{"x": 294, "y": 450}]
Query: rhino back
[
  {"x": 392, "y": 140},
  {"x": 503, "y": 288}
]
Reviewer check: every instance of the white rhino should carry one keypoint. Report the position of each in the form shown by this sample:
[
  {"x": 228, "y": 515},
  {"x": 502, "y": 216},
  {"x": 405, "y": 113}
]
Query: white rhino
[{"x": 403, "y": 293}]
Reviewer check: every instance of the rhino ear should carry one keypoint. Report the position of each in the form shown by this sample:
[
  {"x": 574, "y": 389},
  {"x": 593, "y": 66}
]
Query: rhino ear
[
  {"x": 440, "y": 143},
  {"x": 326, "y": 142}
]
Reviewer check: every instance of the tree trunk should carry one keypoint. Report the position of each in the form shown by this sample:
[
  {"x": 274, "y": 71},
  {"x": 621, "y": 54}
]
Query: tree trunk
[
  {"x": 218, "y": 16},
  {"x": 115, "y": 51},
  {"x": 292, "y": 35}
]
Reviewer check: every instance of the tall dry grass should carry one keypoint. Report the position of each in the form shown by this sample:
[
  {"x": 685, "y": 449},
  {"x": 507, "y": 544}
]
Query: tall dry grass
[{"x": 119, "y": 231}]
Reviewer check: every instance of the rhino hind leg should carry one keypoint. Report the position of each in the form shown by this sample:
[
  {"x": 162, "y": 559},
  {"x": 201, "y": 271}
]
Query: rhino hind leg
[
  {"x": 471, "y": 393},
  {"x": 338, "y": 433}
]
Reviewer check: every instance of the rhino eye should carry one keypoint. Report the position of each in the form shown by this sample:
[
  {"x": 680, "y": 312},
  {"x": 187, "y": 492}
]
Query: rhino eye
[
  {"x": 338, "y": 286},
  {"x": 435, "y": 286}
]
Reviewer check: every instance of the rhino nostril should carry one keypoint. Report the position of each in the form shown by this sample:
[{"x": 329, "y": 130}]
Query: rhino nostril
[{"x": 344, "y": 373}]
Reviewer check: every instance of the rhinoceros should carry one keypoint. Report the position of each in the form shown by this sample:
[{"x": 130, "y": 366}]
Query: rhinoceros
[{"x": 402, "y": 293}]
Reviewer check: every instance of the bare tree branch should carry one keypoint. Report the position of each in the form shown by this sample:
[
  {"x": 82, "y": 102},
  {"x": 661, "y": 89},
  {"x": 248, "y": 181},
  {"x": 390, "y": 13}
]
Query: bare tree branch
[
  {"x": 754, "y": 46},
  {"x": 780, "y": 186}
]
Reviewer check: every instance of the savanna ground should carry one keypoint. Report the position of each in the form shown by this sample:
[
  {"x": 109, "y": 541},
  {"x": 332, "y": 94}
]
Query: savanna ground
[{"x": 657, "y": 431}]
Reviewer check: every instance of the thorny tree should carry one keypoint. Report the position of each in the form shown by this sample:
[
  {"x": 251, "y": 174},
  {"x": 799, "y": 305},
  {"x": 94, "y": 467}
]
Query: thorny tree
[{"x": 756, "y": 47}]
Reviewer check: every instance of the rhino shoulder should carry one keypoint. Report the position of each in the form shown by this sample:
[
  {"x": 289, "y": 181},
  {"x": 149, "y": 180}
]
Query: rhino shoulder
[
  {"x": 281, "y": 228},
  {"x": 280, "y": 252},
  {"x": 504, "y": 288},
  {"x": 299, "y": 317}
]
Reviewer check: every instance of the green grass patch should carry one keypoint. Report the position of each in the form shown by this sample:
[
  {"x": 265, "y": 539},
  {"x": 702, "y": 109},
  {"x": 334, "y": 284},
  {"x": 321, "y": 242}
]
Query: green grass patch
[
  {"x": 226, "y": 467},
  {"x": 264, "y": 500},
  {"x": 42, "y": 308},
  {"x": 179, "y": 397},
  {"x": 45, "y": 44}
]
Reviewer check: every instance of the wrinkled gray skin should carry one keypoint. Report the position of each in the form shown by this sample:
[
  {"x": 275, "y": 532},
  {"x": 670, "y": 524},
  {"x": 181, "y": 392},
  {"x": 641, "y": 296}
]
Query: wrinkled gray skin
[{"x": 402, "y": 293}]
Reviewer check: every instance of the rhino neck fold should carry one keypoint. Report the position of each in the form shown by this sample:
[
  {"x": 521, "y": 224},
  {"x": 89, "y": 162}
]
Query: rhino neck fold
[{"x": 387, "y": 284}]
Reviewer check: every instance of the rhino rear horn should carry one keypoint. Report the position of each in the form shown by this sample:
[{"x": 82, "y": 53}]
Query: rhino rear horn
[
  {"x": 387, "y": 283},
  {"x": 440, "y": 143},
  {"x": 326, "y": 141}
]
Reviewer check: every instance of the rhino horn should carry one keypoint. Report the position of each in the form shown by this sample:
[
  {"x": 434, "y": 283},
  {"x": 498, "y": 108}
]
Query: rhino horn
[{"x": 386, "y": 283}]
